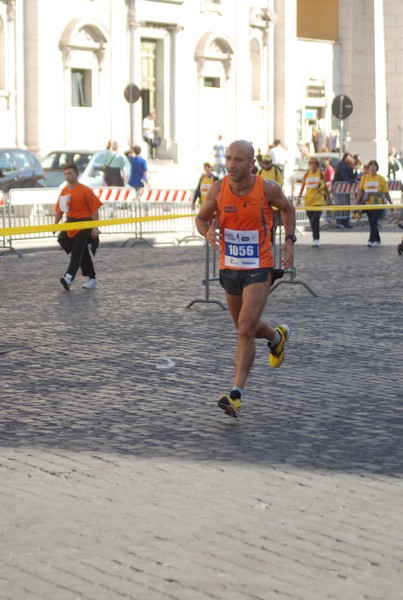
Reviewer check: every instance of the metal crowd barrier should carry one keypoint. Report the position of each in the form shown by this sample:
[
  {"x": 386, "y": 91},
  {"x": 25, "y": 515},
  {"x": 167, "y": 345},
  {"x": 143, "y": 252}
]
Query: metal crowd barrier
[
  {"x": 344, "y": 194},
  {"x": 211, "y": 266},
  {"x": 139, "y": 213}
]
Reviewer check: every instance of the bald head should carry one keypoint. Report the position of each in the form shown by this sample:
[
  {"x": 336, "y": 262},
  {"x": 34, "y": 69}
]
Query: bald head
[
  {"x": 239, "y": 161},
  {"x": 242, "y": 147}
]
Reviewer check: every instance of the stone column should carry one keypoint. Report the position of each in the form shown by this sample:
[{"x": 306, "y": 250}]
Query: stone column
[
  {"x": 362, "y": 78},
  {"x": 285, "y": 92}
]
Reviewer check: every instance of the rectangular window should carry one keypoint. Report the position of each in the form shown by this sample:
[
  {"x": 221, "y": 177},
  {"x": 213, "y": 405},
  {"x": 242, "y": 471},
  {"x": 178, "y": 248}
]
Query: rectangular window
[
  {"x": 148, "y": 75},
  {"x": 212, "y": 82},
  {"x": 81, "y": 87},
  {"x": 6, "y": 162}
]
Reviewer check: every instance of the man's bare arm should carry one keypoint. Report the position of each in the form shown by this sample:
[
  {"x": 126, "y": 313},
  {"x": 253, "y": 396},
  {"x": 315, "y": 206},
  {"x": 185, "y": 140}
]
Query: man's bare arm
[
  {"x": 205, "y": 222},
  {"x": 276, "y": 198}
]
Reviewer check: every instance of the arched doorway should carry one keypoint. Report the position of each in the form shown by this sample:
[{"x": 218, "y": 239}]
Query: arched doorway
[
  {"x": 213, "y": 57},
  {"x": 83, "y": 46}
]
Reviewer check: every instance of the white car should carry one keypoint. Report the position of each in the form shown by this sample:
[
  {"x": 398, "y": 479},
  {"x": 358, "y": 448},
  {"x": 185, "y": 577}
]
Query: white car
[
  {"x": 93, "y": 175},
  {"x": 302, "y": 168}
]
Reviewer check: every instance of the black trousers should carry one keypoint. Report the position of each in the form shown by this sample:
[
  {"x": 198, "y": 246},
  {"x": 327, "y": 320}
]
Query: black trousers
[
  {"x": 314, "y": 219},
  {"x": 80, "y": 257}
]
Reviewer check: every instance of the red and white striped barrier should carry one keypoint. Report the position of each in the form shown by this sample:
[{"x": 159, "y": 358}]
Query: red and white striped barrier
[
  {"x": 342, "y": 187},
  {"x": 149, "y": 195},
  {"x": 395, "y": 186},
  {"x": 116, "y": 194},
  {"x": 1, "y": 199}
]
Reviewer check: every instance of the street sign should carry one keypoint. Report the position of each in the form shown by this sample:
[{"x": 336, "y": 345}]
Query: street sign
[
  {"x": 132, "y": 93},
  {"x": 342, "y": 107}
]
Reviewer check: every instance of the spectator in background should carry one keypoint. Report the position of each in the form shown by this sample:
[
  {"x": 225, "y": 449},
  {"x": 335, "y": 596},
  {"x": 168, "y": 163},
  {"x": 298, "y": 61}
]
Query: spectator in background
[
  {"x": 393, "y": 164},
  {"x": 219, "y": 157},
  {"x": 270, "y": 171},
  {"x": 279, "y": 155},
  {"x": 373, "y": 190},
  {"x": 258, "y": 163},
  {"x": 316, "y": 194},
  {"x": 139, "y": 172},
  {"x": 344, "y": 172},
  {"x": 329, "y": 170},
  {"x": 357, "y": 166},
  {"x": 204, "y": 184},
  {"x": 150, "y": 134},
  {"x": 114, "y": 166}
]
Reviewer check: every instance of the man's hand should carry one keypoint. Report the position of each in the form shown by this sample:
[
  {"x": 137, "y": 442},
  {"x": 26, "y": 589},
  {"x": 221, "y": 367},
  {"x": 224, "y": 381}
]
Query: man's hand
[
  {"x": 288, "y": 249},
  {"x": 213, "y": 236}
]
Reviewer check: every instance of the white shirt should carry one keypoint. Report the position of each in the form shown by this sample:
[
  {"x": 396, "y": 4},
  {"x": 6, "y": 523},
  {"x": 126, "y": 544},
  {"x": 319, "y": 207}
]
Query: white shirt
[
  {"x": 148, "y": 127},
  {"x": 279, "y": 155}
]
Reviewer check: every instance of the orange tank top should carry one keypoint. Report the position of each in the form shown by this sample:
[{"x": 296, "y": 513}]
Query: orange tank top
[{"x": 245, "y": 225}]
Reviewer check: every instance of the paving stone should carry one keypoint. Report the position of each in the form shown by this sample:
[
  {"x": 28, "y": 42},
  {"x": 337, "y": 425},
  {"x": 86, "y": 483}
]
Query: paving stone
[{"x": 122, "y": 479}]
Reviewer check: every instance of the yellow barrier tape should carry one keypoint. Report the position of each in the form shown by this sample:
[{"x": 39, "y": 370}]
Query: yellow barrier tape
[
  {"x": 351, "y": 207},
  {"x": 7, "y": 231}
]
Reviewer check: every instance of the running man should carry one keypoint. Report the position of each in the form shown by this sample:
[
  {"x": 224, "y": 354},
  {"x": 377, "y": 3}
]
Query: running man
[{"x": 243, "y": 204}]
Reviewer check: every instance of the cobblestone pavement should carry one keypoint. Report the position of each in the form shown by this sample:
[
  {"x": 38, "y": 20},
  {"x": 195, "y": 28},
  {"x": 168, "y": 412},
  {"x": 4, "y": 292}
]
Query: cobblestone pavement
[{"x": 120, "y": 477}]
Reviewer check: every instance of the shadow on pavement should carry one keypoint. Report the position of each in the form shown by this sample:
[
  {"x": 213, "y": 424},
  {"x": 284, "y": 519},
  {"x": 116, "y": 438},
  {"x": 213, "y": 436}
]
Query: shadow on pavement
[{"x": 126, "y": 369}]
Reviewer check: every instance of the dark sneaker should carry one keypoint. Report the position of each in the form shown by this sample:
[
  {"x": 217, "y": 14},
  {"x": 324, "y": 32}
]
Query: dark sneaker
[
  {"x": 231, "y": 406},
  {"x": 66, "y": 281},
  {"x": 276, "y": 355}
]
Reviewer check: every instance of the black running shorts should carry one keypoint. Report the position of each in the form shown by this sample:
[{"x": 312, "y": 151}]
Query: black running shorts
[{"x": 233, "y": 281}]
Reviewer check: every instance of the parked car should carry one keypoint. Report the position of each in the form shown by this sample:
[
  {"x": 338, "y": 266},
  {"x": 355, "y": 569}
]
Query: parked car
[
  {"x": 53, "y": 164},
  {"x": 19, "y": 169},
  {"x": 302, "y": 168},
  {"x": 93, "y": 175}
]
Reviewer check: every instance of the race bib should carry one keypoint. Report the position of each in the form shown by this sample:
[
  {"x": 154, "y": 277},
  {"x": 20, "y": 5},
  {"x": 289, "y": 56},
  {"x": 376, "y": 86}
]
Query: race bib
[
  {"x": 241, "y": 249},
  {"x": 64, "y": 202},
  {"x": 371, "y": 187},
  {"x": 312, "y": 183}
]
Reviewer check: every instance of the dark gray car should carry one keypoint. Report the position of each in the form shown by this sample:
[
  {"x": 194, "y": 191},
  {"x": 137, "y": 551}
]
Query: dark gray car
[{"x": 19, "y": 169}]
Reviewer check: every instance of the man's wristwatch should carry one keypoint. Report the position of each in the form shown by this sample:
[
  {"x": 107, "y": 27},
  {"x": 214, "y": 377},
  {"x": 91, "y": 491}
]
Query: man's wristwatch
[{"x": 291, "y": 237}]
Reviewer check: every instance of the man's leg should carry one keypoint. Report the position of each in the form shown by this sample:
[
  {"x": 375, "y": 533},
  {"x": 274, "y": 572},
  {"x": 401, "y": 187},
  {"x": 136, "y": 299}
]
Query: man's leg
[
  {"x": 79, "y": 243},
  {"x": 246, "y": 311},
  {"x": 86, "y": 264}
]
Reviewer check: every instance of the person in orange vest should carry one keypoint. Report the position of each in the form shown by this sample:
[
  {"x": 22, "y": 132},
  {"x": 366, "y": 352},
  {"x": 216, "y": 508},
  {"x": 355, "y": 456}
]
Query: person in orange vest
[{"x": 236, "y": 218}]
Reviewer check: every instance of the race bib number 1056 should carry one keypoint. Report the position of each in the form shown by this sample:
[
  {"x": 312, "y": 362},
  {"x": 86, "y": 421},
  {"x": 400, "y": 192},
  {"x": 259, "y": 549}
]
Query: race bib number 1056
[{"x": 241, "y": 249}]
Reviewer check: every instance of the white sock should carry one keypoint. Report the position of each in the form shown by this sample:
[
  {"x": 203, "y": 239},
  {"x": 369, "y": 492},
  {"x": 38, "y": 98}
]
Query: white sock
[
  {"x": 276, "y": 340},
  {"x": 238, "y": 389}
]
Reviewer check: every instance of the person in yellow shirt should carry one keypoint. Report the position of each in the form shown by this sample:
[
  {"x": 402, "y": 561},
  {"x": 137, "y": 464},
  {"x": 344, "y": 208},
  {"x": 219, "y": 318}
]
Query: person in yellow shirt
[
  {"x": 204, "y": 184},
  {"x": 269, "y": 171},
  {"x": 373, "y": 190},
  {"x": 316, "y": 194}
]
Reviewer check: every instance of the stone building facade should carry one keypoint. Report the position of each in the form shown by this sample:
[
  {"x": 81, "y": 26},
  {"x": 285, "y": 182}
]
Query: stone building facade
[{"x": 240, "y": 68}]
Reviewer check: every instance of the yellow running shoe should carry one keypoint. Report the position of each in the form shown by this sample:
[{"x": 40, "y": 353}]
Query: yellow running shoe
[
  {"x": 276, "y": 354},
  {"x": 231, "y": 406}
]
